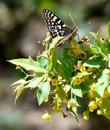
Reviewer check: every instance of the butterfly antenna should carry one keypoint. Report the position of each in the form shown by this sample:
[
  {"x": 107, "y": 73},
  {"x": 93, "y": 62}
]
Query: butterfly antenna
[{"x": 72, "y": 19}]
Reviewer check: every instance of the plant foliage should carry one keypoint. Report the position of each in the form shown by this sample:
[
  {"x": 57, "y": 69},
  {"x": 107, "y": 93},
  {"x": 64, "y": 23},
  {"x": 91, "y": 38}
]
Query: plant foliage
[{"x": 69, "y": 75}]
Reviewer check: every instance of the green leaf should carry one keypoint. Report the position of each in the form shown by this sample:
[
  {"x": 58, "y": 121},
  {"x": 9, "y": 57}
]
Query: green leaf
[
  {"x": 64, "y": 67},
  {"x": 43, "y": 92},
  {"x": 108, "y": 33},
  {"x": 76, "y": 90},
  {"x": 103, "y": 82},
  {"x": 42, "y": 60},
  {"x": 29, "y": 64},
  {"x": 61, "y": 93},
  {"x": 52, "y": 61},
  {"x": 100, "y": 44},
  {"x": 55, "y": 42},
  {"x": 109, "y": 60},
  {"x": 105, "y": 107},
  {"x": 19, "y": 91},
  {"x": 94, "y": 62},
  {"x": 21, "y": 81},
  {"x": 33, "y": 83},
  {"x": 75, "y": 115}
]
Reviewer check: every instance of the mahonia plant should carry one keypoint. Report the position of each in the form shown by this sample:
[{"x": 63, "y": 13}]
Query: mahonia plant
[{"x": 69, "y": 77}]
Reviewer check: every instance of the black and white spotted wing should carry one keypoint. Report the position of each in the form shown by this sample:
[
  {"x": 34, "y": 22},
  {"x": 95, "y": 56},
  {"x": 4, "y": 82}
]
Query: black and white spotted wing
[{"x": 55, "y": 25}]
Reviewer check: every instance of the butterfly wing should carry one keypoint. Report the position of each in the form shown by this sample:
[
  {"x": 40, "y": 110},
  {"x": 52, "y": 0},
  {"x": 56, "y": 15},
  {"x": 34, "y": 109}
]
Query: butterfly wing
[{"x": 55, "y": 25}]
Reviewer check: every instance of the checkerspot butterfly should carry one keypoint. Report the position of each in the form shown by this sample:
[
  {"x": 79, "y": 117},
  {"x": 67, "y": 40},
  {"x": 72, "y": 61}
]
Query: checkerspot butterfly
[{"x": 56, "y": 26}]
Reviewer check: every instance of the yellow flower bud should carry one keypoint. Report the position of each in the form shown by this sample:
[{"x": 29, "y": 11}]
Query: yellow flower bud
[
  {"x": 54, "y": 82},
  {"x": 82, "y": 69},
  {"x": 92, "y": 106},
  {"x": 46, "y": 116},
  {"x": 65, "y": 101},
  {"x": 57, "y": 109},
  {"x": 99, "y": 102},
  {"x": 86, "y": 115},
  {"x": 99, "y": 112},
  {"x": 77, "y": 81}
]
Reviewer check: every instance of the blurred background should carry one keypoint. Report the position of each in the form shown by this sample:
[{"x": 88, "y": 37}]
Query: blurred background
[{"x": 21, "y": 26}]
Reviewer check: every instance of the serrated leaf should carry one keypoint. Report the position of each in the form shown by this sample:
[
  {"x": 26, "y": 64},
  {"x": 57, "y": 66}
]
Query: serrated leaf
[
  {"x": 43, "y": 92},
  {"x": 33, "y": 83},
  {"x": 28, "y": 64},
  {"x": 94, "y": 62},
  {"x": 76, "y": 90},
  {"x": 103, "y": 82}
]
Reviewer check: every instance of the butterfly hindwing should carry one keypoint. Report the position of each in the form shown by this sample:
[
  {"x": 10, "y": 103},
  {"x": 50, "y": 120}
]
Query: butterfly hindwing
[{"x": 55, "y": 25}]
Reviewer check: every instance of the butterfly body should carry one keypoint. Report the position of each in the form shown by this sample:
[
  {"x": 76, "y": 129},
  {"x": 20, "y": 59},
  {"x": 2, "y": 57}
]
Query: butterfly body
[{"x": 56, "y": 26}]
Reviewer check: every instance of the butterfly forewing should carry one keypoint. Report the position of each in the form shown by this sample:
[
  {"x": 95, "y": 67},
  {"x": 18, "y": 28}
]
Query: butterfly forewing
[{"x": 55, "y": 25}]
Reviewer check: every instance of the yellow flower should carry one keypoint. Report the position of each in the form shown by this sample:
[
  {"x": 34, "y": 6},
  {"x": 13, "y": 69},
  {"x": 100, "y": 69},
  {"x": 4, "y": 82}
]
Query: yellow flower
[
  {"x": 99, "y": 101},
  {"x": 92, "y": 106},
  {"x": 65, "y": 101},
  {"x": 57, "y": 109},
  {"x": 54, "y": 82},
  {"x": 48, "y": 34},
  {"x": 77, "y": 81},
  {"x": 85, "y": 39},
  {"x": 76, "y": 49},
  {"x": 82, "y": 69},
  {"x": 91, "y": 94},
  {"x": 46, "y": 116},
  {"x": 99, "y": 112}
]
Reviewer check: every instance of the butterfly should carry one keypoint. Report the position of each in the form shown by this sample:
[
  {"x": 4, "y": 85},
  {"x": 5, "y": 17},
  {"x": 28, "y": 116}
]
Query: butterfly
[{"x": 56, "y": 26}]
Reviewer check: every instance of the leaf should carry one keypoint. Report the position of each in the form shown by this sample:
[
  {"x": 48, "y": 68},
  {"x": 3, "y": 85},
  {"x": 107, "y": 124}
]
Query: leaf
[
  {"x": 28, "y": 64},
  {"x": 33, "y": 83},
  {"x": 94, "y": 62},
  {"x": 64, "y": 67},
  {"x": 19, "y": 91},
  {"x": 108, "y": 33},
  {"x": 76, "y": 90},
  {"x": 60, "y": 91},
  {"x": 21, "y": 81},
  {"x": 103, "y": 82},
  {"x": 42, "y": 60},
  {"x": 55, "y": 42},
  {"x": 80, "y": 75},
  {"x": 105, "y": 107},
  {"x": 52, "y": 62},
  {"x": 43, "y": 92},
  {"x": 109, "y": 60},
  {"x": 75, "y": 115},
  {"x": 93, "y": 34},
  {"x": 99, "y": 44}
]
